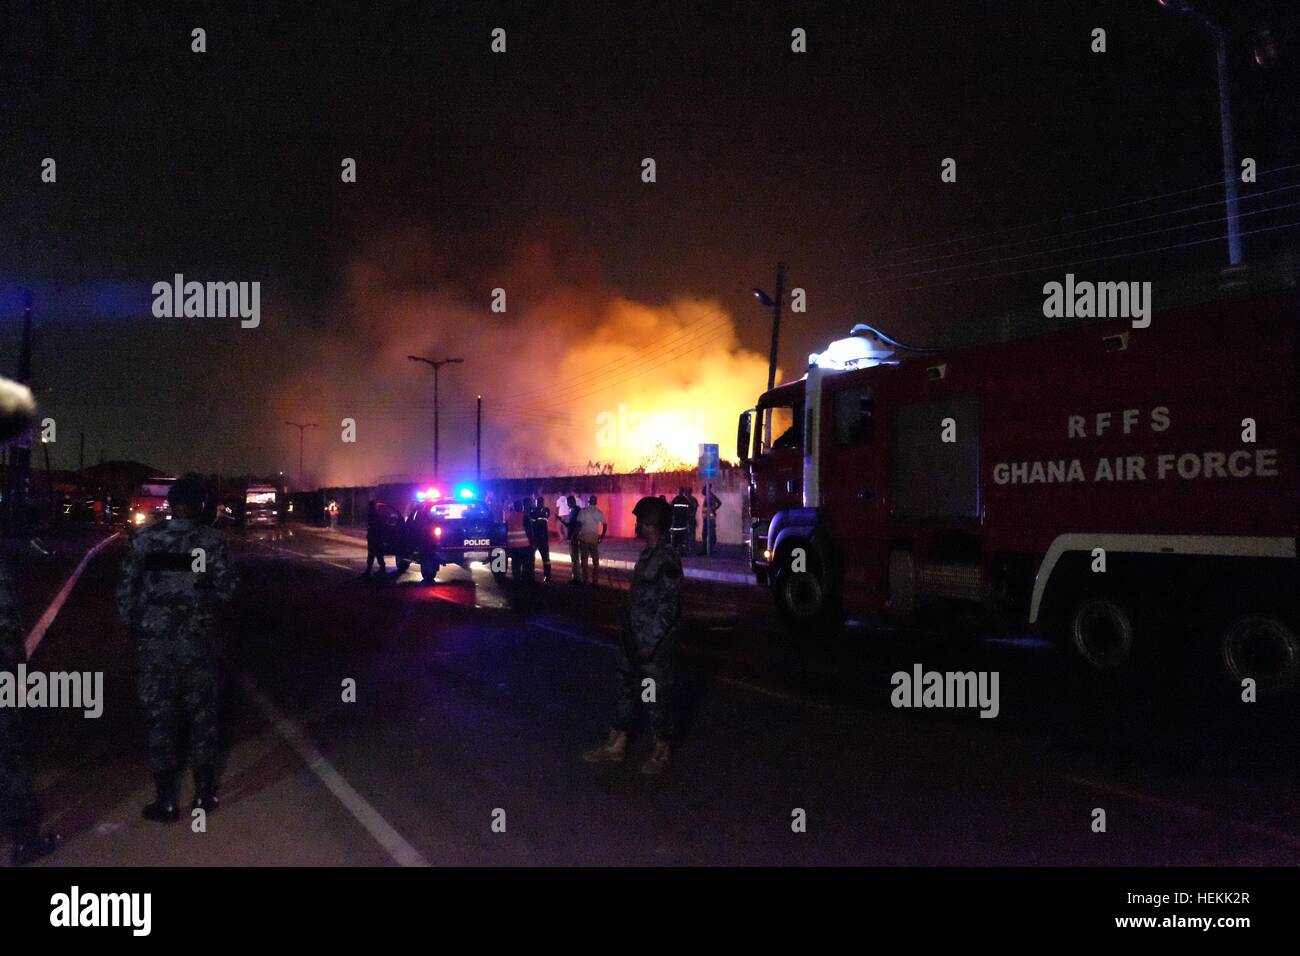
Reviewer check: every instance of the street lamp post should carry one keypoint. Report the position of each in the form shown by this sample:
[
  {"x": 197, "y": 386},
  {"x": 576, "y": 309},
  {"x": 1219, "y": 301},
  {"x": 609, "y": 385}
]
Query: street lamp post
[
  {"x": 435, "y": 364},
  {"x": 1220, "y": 37},
  {"x": 775, "y": 305},
  {"x": 302, "y": 429}
]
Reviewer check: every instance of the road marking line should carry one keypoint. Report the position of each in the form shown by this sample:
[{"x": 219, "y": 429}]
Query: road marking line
[
  {"x": 1280, "y": 836},
  {"x": 312, "y": 557},
  {"x": 370, "y": 819},
  {"x": 772, "y": 692},
  {"x": 37, "y": 633},
  {"x": 572, "y": 635}
]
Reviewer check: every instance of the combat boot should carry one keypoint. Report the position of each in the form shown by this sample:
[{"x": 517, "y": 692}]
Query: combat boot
[
  {"x": 613, "y": 750},
  {"x": 205, "y": 790},
  {"x": 30, "y": 847},
  {"x": 658, "y": 761},
  {"x": 164, "y": 809}
]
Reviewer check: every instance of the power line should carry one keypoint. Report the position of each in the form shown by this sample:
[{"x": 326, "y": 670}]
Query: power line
[
  {"x": 1077, "y": 262},
  {"x": 1084, "y": 245},
  {"x": 1078, "y": 215},
  {"x": 1072, "y": 232}
]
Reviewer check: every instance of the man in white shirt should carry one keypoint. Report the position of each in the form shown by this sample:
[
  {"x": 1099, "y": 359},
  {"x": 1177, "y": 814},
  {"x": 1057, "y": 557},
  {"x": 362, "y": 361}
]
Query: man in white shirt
[{"x": 562, "y": 516}]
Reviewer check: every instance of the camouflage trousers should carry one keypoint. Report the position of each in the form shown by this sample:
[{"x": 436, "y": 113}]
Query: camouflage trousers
[
  {"x": 19, "y": 812},
  {"x": 630, "y": 687},
  {"x": 178, "y": 691}
]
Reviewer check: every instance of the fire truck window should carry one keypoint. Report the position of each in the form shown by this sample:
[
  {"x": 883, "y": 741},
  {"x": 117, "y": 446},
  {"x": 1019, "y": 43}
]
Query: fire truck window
[
  {"x": 934, "y": 478},
  {"x": 853, "y": 411},
  {"x": 786, "y": 430}
]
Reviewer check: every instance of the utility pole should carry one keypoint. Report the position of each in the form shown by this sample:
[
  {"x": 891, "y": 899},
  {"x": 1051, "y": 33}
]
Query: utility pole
[
  {"x": 302, "y": 430},
  {"x": 478, "y": 441},
  {"x": 1263, "y": 54},
  {"x": 1230, "y": 171},
  {"x": 18, "y": 473},
  {"x": 49, "y": 483},
  {"x": 776, "y": 323},
  {"x": 775, "y": 305},
  {"x": 435, "y": 364}
]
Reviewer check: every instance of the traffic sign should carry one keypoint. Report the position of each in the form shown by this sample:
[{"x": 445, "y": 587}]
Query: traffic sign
[{"x": 710, "y": 464}]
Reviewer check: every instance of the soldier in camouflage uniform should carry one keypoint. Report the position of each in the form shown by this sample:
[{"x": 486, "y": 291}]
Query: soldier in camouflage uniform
[
  {"x": 175, "y": 576},
  {"x": 649, "y": 640},
  {"x": 20, "y": 815},
  {"x": 19, "y": 812}
]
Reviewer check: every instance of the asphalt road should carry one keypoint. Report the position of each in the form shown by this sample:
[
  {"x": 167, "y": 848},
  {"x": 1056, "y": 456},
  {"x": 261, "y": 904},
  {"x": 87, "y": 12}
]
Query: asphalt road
[{"x": 474, "y": 701}]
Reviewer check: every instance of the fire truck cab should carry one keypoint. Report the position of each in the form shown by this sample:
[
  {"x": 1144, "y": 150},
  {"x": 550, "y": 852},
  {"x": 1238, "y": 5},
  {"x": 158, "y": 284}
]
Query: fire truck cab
[{"x": 1105, "y": 483}]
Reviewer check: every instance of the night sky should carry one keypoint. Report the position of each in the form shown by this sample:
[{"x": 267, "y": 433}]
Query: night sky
[{"x": 225, "y": 166}]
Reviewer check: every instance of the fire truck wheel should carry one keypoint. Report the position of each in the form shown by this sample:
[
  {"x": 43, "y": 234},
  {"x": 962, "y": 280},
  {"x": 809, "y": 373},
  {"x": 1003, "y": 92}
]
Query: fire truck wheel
[
  {"x": 429, "y": 568},
  {"x": 803, "y": 598},
  {"x": 1262, "y": 647},
  {"x": 1102, "y": 633},
  {"x": 402, "y": 565}
]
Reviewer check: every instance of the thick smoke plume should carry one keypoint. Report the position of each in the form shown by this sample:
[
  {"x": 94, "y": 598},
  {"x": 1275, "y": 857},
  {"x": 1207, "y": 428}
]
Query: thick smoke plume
[{"x": 573, "y": 375}]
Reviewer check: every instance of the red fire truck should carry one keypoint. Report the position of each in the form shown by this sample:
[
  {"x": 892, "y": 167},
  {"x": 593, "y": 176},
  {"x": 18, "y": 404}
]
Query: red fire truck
[{"x": 1118, "y": 487}]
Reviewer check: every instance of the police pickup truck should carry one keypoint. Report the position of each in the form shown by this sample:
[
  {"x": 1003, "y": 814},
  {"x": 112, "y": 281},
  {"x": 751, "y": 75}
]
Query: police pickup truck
[{"x": 447, "y": 529}]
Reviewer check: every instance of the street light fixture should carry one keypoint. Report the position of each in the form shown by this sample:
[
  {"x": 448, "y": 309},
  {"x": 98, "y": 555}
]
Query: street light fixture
[{"x": 435, "y": 364}]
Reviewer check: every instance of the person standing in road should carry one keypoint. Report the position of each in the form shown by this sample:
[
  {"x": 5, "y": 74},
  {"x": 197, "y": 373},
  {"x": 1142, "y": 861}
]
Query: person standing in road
[
  {"x": 591, "y": 532},
  {"x": 20, "y": 813},
  {"x": 573, "y": 526},
  {"x": 649, "y": 641},
  {"x": 519, "y": 545},
  {"x": 540, "y": 523},
  {"x": 175, "y": 577},
  {"x": 374, "y": 537},
  {"x": 332, "y": 509}
]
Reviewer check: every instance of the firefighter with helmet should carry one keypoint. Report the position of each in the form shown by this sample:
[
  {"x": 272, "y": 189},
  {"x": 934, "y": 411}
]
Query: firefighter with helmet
[{"x": 682, "y": 511}]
